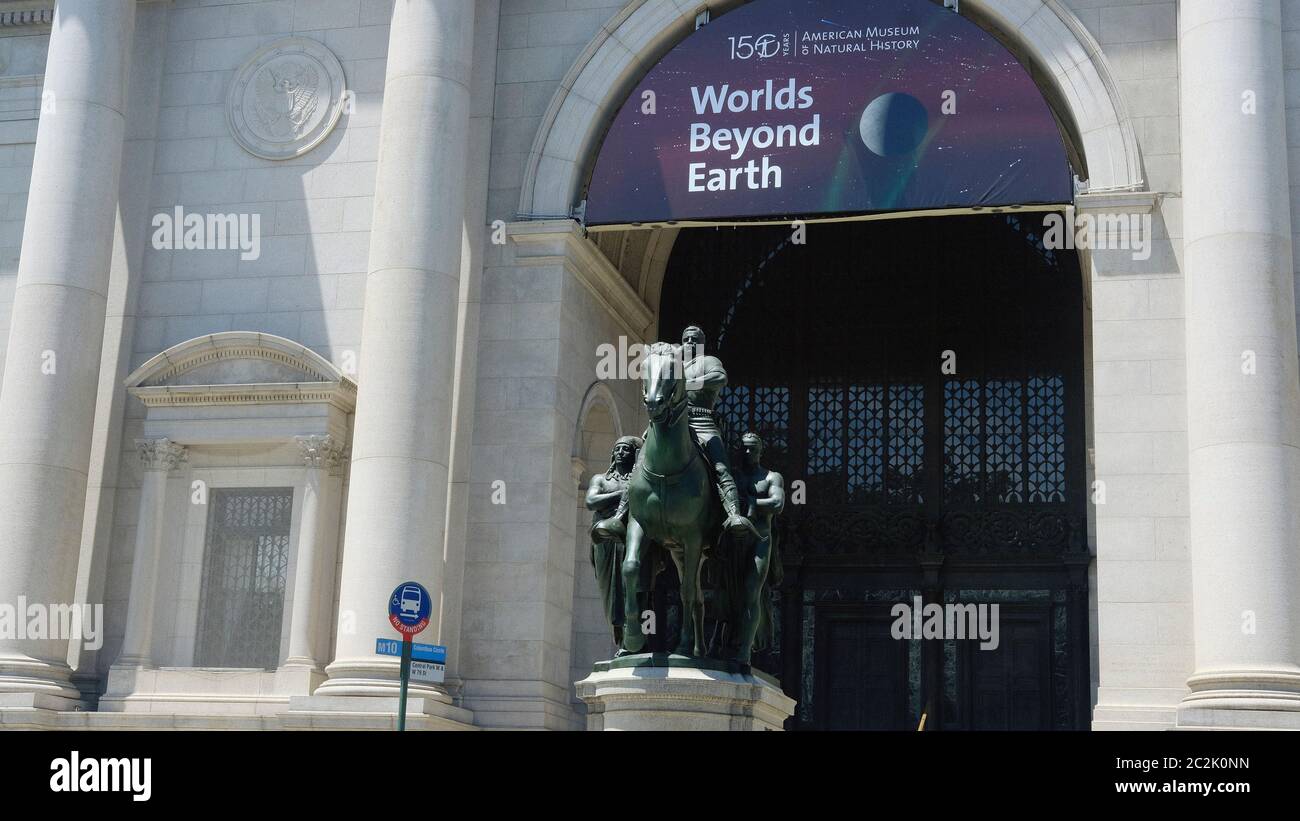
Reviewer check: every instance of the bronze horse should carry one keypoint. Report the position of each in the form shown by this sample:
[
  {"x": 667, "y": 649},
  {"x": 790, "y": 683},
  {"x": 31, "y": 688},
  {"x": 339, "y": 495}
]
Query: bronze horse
[{"x": 672, "y": 500}]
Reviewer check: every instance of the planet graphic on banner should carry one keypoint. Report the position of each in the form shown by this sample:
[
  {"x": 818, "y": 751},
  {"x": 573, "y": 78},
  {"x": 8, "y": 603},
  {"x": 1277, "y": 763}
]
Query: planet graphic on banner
[{"x": 893, "y": 124}]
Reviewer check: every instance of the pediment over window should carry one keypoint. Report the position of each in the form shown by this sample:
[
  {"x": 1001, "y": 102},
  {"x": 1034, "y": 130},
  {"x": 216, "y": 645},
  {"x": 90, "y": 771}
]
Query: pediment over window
[{"x": 240, "y": 367}]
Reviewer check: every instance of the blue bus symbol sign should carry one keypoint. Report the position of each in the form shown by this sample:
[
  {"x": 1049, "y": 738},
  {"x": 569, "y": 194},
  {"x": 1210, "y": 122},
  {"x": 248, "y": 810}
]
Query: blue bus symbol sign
[{"x": 409, "y": 608}]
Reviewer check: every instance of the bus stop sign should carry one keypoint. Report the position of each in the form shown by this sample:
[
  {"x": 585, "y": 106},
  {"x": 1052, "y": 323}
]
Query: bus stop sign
[{"x": 409, "y": 609}]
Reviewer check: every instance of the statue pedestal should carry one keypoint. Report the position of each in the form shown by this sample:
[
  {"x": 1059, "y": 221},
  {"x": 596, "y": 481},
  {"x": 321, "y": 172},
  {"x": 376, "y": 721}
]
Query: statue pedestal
[{"x": 662, "y": 692}]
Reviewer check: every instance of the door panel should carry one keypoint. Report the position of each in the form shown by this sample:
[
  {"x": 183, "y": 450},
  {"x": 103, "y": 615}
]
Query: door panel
[
  {"x": 1009, "y": 686},
  {"x": 863, "y": 671}
]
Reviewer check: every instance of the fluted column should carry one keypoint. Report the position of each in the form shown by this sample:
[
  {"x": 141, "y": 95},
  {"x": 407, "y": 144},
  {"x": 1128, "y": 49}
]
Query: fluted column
[
  {"x": 322, "y": 456},
  {"x": 47, "y": 403},
  {"x": 401, "y": 442},
  {"x": 159, "y": 456},
  {"x": 1242, "y": 391}
]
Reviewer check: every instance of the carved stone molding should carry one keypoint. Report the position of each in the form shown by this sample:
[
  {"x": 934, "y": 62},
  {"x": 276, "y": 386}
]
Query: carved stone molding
[
  {"x": 546, "y": 242},
  {"x": 341, "y": 395},
  {"x": 162, "y": 381},
  {"x": 1118, "y": 202},
  {"x": 28, "y": 17},
  {"x": 160, "y": 454},
  {"x": 286, "y": 99},
  {"x": 322, "y": 452},
  {"x": 205, "y": 350}
]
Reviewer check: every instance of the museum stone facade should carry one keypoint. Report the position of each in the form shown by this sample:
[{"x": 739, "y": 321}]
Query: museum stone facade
[{"x": 297, "y": 302}]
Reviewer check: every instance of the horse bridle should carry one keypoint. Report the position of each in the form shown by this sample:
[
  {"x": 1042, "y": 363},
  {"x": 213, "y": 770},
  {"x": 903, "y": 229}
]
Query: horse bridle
[
  {"x": 675, "y": 411},
  {"x": 677, "y": 408}
]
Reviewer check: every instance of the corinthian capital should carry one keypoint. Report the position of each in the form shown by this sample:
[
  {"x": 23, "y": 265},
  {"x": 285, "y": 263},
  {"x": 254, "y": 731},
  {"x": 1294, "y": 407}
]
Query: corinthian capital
[
  {"x": 321, "y": 452},
  {"x": 160, "y": 454}
]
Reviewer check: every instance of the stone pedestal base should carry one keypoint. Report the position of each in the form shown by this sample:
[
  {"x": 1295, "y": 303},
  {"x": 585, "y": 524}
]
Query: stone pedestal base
[
  {"x": 303, "y": 713},
  {"x": 373, "y": 713},
  {"x": 31, "y": 684},
  {"x": 39, "y": 701},
  {"x": 1137, "y": 708},
  {"x": 1256, "y": 699},
  {"x": 1195, "y": 718},
  {"x": 205, "y": 691},
  {"x": 659, "y": 692}
]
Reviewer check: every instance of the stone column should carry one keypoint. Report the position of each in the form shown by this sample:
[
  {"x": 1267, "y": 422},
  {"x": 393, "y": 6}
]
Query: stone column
[
  {"x": 401, "y": 444},
  {"x": 1243, "y": 397},
  {"x": 47, "y": 404},
  {"x": 322, "y": 456},
  {"x": 159, "y": 457}
]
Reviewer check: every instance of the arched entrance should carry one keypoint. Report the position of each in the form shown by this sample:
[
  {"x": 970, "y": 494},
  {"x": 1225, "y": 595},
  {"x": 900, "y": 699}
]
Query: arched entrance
[
  {"x": 968, "y": 537},
  {"x": 922, "y": 380}
]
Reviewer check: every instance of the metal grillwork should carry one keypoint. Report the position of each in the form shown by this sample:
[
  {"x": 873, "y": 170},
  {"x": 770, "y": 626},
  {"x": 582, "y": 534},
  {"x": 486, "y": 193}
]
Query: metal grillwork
[
  {"x": 836, "y": 353},
  {"x": 923, "y": 380},
  {"x": 1004, "y": 432},
  {"x": 866, "y": 439},
  {"x": 992, "y": 430},
  {"x": 244, "y": 577},
  {"x": 733, "y": 412},
  {"x": 866, "y": 443},
  {"x": 962, "y": 444},
  {"x": 1046, "y": 433},
  {"x": 825, "y": 430},
  {"x": 764, "y": 410},
  {"x": 904, "y": 478}
]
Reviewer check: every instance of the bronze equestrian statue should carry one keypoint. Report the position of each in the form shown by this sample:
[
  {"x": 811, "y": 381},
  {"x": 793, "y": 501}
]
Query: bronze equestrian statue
[
  {"x": 678, "y": 492},
  {"x": 705, "y": 379},
  {"x": 671, "y": 499}
]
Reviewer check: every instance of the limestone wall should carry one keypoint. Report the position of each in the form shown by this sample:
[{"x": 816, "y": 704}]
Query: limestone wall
[
  {"x": 22, "y": 68},
  {"x": 308, "y": 283}
]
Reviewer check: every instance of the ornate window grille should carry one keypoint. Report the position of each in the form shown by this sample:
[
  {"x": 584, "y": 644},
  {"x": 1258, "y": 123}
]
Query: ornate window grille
[
  {"x": 838, "y": 354},
  {"x": 835, "y": 351},
  {"x": 246, "y": 563}
]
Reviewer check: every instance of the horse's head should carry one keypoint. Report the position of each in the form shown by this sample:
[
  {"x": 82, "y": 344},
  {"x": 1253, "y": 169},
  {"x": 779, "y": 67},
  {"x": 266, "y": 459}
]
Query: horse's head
[{"x": 663, "y": 382}]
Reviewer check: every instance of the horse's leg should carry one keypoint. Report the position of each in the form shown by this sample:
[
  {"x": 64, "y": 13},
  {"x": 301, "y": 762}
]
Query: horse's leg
[
  {"x": 633, "y": 637},
  {"x": 684, "y": 616},
  {"x": 692, "y": 598}
]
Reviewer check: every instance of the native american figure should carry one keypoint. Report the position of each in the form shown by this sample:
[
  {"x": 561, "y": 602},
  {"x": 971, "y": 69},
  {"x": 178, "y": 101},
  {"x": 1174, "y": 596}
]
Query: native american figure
[{"x": 607, "y": 553}]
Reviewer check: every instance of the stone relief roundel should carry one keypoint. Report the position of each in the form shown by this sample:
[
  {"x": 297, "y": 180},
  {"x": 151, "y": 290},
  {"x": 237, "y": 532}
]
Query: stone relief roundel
[{"x": 286, "y": 99}]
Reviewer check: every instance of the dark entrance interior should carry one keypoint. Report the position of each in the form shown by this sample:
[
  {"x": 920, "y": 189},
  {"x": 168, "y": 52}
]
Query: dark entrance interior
[{"x": 923, "y": 380}]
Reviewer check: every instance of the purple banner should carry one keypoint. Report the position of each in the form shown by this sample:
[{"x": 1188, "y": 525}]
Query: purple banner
[{"x": 813, "y": 108}]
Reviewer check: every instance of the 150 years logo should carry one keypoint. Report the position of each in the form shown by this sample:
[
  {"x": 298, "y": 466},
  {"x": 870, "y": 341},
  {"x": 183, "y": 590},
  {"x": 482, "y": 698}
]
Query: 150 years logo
[{"x": 749, "y": 46}]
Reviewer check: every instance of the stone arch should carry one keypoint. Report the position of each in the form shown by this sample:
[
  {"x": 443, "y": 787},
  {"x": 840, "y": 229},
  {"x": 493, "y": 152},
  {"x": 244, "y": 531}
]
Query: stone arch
[
  {"x": 236, "y": 357},
  {"x": 598, "y": 418},
  {"x": 1049, "y": 39}
]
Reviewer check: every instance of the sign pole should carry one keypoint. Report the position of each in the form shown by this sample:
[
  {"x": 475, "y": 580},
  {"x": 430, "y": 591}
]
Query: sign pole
[
  {"x": 408, "y": 611},
  {"x": 406, "y": 678}
]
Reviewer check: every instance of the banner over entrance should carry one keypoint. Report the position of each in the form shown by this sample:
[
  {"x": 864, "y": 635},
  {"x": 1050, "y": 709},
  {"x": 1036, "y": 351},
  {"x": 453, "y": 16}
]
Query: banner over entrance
[{"x": 786, "y": 109}]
